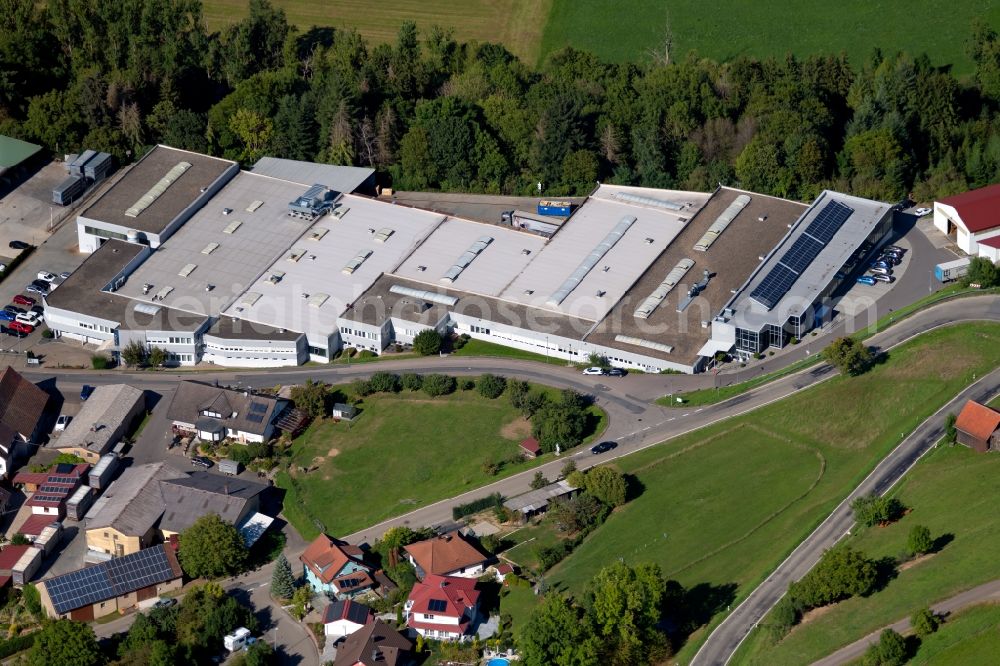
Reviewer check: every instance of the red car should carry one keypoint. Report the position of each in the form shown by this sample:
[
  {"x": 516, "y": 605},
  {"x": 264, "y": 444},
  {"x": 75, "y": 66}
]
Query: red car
[
  {"x": 24, "y": 300},
  {"x": 20, "y": 328}
]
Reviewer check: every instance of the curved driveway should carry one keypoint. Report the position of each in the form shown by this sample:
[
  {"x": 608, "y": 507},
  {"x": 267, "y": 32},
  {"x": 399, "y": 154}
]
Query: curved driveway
[{"x": 634, "y": 422}]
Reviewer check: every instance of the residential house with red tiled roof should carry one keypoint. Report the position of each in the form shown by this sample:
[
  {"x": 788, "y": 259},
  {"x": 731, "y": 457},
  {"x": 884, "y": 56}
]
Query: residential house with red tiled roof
[
  {"x": 50, "y": 491},
  {"x": 336, "y": 568},
  {"x": 444, "y": 608},
  {"x": 449, "y": 554},
  {"x": 976, "y": 427}
]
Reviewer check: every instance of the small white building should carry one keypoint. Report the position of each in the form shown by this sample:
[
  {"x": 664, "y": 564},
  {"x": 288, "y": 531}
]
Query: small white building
[
  {"x": 972, "y": 220},
  {"x": 342, "y": 618}
]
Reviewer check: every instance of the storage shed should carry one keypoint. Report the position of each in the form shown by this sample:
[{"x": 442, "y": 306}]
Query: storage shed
[
  {"x": 27, "y": 566},
  {"x": 344, "y": 411},
  {"x": 79, "y": 503},
  {"x": 104, "y": 472}
]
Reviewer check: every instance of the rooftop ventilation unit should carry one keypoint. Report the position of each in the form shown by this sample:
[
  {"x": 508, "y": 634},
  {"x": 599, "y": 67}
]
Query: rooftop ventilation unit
[
  {"x": 227, "y": 211},
  {"x": 162, "y": 293},
  {"x": 467, "y": 257},
  {"x": 187, "y": 270},
  {"x": 383, "y": 234},
  {"x": 254, "y": 205},
  {"x": 653, "y": 301},
  {"x": 588, "y": 264},
  {"x": 432, "y": 296},
  {"x": 275, "y": 277},
  {"x": 642, "y": 342},
  {"x": 340, "y": 212},
  {"x": 355, "y": 263},
  {"x": 316, "y": 201},
  {"x": 317, "y": 233},
  {"x": 210, "y": 248},
  {"x": 317, "y": 300},
  {"x": 648, "y": 201},
  {"x": 296, "y": 254},
  {"x": 147, "y": 199},
  {"x": 721, "y": 222},
  {"x": 250, "y": 298},
  {"x": 232, "y": 227}
]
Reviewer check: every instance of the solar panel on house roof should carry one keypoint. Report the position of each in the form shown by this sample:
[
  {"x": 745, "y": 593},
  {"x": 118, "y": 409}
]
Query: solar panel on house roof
[
  {"x": 437, "y": 605},
  {"x": 801, "y": 253},
  {"x": 258, "y": 408},
  {"x": 63, "y": 468},
  {"x": 79, "y": 588},
  {"x": 255, "y": 418},
  {"x": 139, "y": 570}
]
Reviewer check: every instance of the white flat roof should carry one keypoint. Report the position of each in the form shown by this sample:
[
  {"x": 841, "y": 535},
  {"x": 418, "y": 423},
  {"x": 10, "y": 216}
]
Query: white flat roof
[
  {"x": 654, "y": 228},
  {"x": 488, "y": 273},
  {"x": 335, "y": 176},
  {"x": 245, "y": 243},
  {"x": 313, "y": 290}
]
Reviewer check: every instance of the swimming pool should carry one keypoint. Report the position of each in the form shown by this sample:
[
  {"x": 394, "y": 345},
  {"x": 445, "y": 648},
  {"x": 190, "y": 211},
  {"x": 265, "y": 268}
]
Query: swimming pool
[{"x": 498, "y": 661}]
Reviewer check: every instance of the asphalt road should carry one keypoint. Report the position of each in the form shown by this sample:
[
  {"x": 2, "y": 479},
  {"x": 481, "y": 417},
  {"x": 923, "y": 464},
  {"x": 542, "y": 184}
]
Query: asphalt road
[
  {"x": 985, "y": 593},
  {"x": 728, "y": 636}
]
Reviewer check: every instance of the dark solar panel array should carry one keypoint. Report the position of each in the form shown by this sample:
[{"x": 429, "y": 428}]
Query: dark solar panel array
[
  {"x": 47, "y": 498},
  {"x": 109, "y": 579},
  {"x": 437, "y": 605},
  {"x": 255, "y": 418},
  {"x": 63, "y": 479},
  {"x": 803, "y": 251},
  {"x": 53, "y": 489},
  {"x": 258, "y": 408}
]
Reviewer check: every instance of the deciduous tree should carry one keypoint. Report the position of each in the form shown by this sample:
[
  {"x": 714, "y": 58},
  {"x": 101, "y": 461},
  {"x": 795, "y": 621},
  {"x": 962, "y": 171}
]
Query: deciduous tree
[
  {"x": 66, "y": 643},
  {"x": 211, "y": 548}
]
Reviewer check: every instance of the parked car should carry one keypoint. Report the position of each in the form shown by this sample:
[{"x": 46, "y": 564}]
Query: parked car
[
  {"x": 62, "y": 422},
  {"x": 895, "y": 248},
  {"x": 593, "y": 371},
  {"x": 920, "y": 212},
  {"x": 3, "y": 267},
  {"x": 164, "y": 602},
  {"x": 41, "y": 284},
  {"x": 29, "y": 318},
  {"x": 21, "y": 327},
  {"x": 85, "y": 391},
  {"x": 884, "y": 278},
  {"x": 603, "y": 447},
  {"x": 37, "y": 309},
  {"x": 24, "y": 300},
  {"x": 18, "y": 245},
  {"x": 878, "y": 270},
  {"x": 890, "y": 259},
  {"x": 46, "y": 276},
  {"x": 866, "y": 279},
  {"x": 33, "y": 289},
  {"x": 14, "y": 309},
  {"x": 64, "y": 275},
  {"x": 201, "y": 461},
  {"x": 6, "y": 315},
  {"x": 617, "y": 372},
  {"x": 7, "y": 330}
]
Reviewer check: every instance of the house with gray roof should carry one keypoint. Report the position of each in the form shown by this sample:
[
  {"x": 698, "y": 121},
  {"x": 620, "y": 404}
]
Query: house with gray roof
[
  {"x": 125, "y": 519},
  {"x": 188, "y": 498},
  {"x": 107, "y": 416},
  {"x": 215, "y": 413}
]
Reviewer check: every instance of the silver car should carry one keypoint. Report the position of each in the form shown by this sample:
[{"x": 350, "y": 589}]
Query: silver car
[{"x": 878, "y": 270}]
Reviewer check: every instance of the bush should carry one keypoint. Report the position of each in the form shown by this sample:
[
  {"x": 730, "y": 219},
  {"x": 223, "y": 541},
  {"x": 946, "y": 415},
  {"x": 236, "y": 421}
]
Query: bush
[
  {"x": 385, "y": 382},
  {"x": 360, "y": 388},
  {"x": 983, "y": 272},
  {"x": 490, "y": 467},
  {"x": 435, "y": 385},
  {"x": 873, "y": 510},
  {"x": 539, "y": 481},
  {"x": 568, "y": 468},
  {"x": 889, "y": 651},
  {"x": 367, "y": 353},
  {"x": 784, "y": 616},
  {"x": 950, "y": 433},
  {"x": 925, "y": 622},
  {"x": 427, "y": 342},
  {"x": 98, "y": 362},
  {"x": 412, "y": 381},
  {"x": 919, "y": 540},
  {"x": 466, "y": 384},
  {"x": 491, "y": 386},
  {"x": 47, "y": 334},
  {"x": 350, "y": 352},
  {"x": 16, "y": 644},
  {"x": 550, "y": 556},
  {"x": 842, "y": 572},
  {"x": 475, "y": 506}
]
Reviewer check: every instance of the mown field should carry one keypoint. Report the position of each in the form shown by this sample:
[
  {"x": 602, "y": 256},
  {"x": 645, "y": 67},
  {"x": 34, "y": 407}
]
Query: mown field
[
  {"x": 951, "y": 491},
  {"x": 629, "y": 30},
  {"x": 404, "y": 451},
  {"x": 518, "y": 24},
  {"x": 721, "y": 507},
  {"x": 970, "y": 637}
]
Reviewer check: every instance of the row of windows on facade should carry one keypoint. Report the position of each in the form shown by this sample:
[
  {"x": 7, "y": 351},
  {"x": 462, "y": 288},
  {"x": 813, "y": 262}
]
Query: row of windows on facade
[
  {"x": 103, "y": 233},
  {"x": 170, "y": 341},
  {"x": 359, "y": 333},
  {"x": 94, "y": 327}
]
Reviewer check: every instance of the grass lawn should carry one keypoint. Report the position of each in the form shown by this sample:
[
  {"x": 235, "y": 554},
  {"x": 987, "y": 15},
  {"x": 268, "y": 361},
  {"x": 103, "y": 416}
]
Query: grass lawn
[
  {"x": 969, "y": 637},
  {"x": 489, "y": 349},
  {"x": 519, "y": 602},
  {"x": 416, "y": 450},
  {"x": 722, "y": 506},
  {"x": 627, "y": 30},
  {"x": 517, "y": 24},
  {"x": 952, "y": 491}
]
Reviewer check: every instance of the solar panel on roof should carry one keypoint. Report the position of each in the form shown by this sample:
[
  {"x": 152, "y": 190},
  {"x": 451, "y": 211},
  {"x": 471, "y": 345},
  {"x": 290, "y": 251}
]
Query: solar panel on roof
[
  {"x": 255, "y": 418},
  {"x": 64, "y": 468},
  {"x": 258, "y": 408},
  {"x": 801, "y": 253},
  {"x": 79, "y": 588},
  {"x": 771, "y": 289},
  {"x": 437, "y": 605},
  {"x": 829, "y": 221}
]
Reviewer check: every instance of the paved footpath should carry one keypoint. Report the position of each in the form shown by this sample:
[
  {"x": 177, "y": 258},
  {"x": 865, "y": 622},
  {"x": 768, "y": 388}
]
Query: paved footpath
[{"x": 985, "y": 593}]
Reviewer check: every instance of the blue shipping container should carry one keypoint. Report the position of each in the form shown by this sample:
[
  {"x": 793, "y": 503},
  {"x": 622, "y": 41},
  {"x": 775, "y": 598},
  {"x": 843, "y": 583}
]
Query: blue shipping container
[{"x": 560, "y": 208}]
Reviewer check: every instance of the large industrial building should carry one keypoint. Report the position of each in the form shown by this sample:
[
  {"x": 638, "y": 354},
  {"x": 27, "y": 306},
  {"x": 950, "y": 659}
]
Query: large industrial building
[{"x": 290, "y": 262}]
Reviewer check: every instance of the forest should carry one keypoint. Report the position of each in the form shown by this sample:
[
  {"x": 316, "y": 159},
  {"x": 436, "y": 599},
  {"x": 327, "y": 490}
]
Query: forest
[{"x": 430, "y": 113}]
